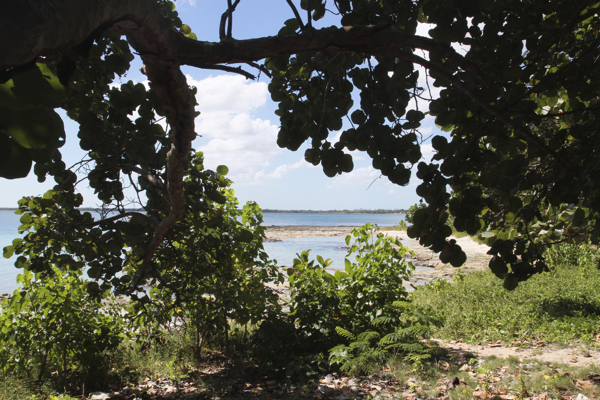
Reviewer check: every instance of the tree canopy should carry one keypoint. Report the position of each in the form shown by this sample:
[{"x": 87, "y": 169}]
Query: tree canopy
[{"x": 519, "y": 103}]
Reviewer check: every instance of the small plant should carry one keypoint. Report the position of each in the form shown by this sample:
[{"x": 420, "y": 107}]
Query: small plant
[
  {"x": 402, "y": 337},
  {"x": 51, "y": 326}
]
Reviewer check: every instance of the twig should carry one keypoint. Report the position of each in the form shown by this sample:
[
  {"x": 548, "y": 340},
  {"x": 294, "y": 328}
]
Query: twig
[
  {"x": 296, "y": 14},
  {"x": 235, "y": 70},
  {"x": 230, "y": 21}
]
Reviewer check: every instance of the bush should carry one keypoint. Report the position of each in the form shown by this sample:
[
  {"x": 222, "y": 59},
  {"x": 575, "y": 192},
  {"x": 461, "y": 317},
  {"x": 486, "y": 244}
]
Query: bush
[
  {"x": 52, "y": 327},
  {"x": 360, "y": 315}
]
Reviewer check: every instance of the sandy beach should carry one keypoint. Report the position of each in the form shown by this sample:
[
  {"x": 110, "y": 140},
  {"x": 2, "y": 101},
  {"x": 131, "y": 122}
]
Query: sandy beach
[{"x": 477, "y": 259}]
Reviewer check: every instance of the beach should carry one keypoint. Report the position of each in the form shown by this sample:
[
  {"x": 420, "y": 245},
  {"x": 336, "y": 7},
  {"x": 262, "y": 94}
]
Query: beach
[{"x": 477, "y": 259}]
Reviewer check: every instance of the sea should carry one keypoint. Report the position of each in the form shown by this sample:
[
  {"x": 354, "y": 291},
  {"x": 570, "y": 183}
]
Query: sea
[{"x": 284, "y": 251}]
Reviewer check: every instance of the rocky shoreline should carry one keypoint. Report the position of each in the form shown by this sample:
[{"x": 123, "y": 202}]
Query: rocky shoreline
[{"x": 477, "y": 259}]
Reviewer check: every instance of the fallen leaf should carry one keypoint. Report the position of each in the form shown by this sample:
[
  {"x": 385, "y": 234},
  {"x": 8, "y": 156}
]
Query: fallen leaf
[
  {"x": 465, "y": 367},
  {"x": 443, "y": 365},
  {"x": 517, "y": 343},
  {"x": 584, "y": 383},
  {"x": 453, "y": 383},
  {"x": 482, "y": 394},
  {"x": 573, "y": 360}
]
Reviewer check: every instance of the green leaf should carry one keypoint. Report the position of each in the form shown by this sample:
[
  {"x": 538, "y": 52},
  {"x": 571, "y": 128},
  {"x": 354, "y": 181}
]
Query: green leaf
[
  {"x": 511, "y": 281},
  {"x": 36, "y": 128},
  {"x": 216, "y": 196},
  {"x": 18, "y": 164},
  {"x": 9, "y": 251},
  {"x": 222, "y": 170},
  {"x": 498, "y": 267},
  {"x": 32, "y": 88},
  {"x": 5, "y": 150},
  {"x": 244, "y": 236}
]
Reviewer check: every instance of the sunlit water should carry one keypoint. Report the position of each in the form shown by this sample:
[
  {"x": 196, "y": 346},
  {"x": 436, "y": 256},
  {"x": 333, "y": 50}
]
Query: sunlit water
[{"x": 284, "y": 251}]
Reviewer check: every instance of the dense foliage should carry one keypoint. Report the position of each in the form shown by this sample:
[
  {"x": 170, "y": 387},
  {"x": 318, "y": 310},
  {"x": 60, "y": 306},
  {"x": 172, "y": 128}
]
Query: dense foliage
[
  {"x": 518, "y": 103},
  {"x": 360, "y": 315}
]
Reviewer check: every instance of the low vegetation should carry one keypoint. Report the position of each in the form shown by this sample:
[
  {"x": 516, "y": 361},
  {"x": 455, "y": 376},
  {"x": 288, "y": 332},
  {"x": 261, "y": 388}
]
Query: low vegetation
[
  {"x": 356, "y": 332},
  {"x": 559, "y": 306}
]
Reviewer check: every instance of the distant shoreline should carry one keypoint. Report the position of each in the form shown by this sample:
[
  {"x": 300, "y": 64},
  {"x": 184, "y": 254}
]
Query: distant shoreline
[{"x": 267, "y": 210}]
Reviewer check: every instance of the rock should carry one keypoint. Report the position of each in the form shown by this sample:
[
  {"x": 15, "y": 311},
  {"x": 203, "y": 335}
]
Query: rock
[
  {"x": 581, "y": 396},
  {"x": 99, "y": 396},
  {"x": 170, "y": 389}
]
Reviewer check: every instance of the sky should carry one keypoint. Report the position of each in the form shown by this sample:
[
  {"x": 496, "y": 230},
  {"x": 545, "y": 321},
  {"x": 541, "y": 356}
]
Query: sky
[{"x": 237, "y": 127}]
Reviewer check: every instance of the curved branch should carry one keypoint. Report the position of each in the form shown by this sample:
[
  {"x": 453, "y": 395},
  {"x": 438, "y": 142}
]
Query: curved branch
[
  {"x": 150, "y": 221},
  {"x": 227, "y": 15},
  {"x": 296, "y": 14},
  {"x": 151, "y": 178}
]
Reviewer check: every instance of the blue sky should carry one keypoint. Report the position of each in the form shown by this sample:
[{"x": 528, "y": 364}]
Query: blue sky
[{"x": 237, "y": 127}]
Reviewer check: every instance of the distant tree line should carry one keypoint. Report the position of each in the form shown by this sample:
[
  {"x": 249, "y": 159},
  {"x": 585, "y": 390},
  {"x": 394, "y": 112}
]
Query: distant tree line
[{"x": 359, "y": 211}]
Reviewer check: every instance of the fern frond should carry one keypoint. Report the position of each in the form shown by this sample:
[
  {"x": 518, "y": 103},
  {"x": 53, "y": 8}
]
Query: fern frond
[
  {"x": 401, "y": 304},
  {"x": 343, "y": 332},
  {"x": 367, "y": 336},
  {"x": 411, "y": 347},
  {"x": 384, "y": 319}
]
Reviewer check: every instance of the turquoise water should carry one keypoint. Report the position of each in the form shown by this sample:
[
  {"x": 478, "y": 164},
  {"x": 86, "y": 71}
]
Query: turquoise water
[{"x": 284, "y": 251}]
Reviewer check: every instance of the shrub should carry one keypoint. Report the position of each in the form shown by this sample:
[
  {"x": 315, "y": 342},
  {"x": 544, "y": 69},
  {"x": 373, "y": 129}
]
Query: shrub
[
  {"x": 51, "y": 326},
  {"x": 360, "y": 315}
]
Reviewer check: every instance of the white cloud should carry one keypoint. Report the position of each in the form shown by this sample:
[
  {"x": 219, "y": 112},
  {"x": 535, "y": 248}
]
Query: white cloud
[
  {"x": 281, "y": 170},
  {"x": 229, "y": 132},
  {"x": 427, "y": 152},
  {"x": 360, "y": 176},
  {"x": 229, "y": 93}
]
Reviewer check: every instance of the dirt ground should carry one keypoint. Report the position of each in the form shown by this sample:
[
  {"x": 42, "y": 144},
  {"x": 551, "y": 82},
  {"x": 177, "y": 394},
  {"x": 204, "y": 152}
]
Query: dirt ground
[{"x": 575, "y": 355}]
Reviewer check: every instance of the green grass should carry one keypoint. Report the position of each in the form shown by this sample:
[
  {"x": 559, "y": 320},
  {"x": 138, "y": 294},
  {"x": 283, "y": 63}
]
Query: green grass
[{"x": 559, "y": 306}]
